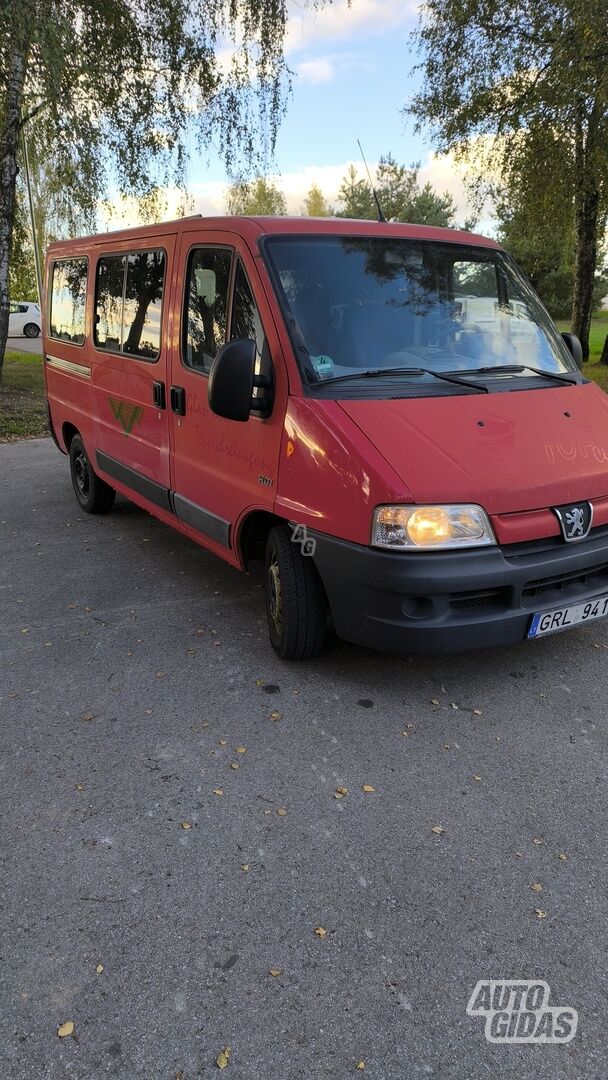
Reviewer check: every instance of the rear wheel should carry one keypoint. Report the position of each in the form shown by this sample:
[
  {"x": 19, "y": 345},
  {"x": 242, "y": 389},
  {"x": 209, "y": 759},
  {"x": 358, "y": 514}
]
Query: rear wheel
[
  {"x": 296, "y": 607},
  {"x": 93, "y": 494},
  {"x": 31, "y": 330}
]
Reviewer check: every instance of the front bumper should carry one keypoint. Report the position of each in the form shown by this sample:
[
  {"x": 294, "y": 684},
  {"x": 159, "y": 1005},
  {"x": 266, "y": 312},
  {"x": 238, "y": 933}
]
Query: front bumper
[{"x": 431, "y": 602}]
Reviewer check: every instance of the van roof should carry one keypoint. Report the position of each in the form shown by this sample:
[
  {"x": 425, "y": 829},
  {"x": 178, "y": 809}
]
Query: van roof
[{"x": 252, "y": 228}]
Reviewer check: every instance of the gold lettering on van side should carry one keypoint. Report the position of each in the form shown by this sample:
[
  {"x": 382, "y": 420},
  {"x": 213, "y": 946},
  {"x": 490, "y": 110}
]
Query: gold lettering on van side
[{"x": 127, "y": 415}]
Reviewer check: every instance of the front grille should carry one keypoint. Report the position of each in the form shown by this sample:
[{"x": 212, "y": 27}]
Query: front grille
[
  {"x": 480, "y": 598},
  {"x": 568, "y": 584}
]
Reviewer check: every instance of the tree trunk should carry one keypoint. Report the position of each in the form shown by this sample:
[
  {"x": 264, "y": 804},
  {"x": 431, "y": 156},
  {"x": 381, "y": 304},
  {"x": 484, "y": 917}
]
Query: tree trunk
[
  {"x": 586, "y": 206},
  {"x": 9, "y": 144},
  {"x": 604, "y": 356}
]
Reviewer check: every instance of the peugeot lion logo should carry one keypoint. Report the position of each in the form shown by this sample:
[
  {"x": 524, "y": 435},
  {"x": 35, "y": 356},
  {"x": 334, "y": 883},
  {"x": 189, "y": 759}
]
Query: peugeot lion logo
[{"x": 575, "y": 520}]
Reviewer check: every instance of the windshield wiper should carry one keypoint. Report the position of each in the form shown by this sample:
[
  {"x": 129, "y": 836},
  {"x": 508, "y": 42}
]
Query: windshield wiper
[
  {"x": 506, "y": 368},
  {"x": 374, "y": 373}
]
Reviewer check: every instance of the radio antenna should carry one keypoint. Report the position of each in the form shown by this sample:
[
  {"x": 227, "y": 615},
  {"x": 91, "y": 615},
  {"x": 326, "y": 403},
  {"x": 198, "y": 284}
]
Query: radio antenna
[{"x": 381, "y": 216}]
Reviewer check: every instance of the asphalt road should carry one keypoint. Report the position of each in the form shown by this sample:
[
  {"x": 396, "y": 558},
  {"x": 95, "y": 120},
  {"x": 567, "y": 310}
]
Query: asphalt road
[
  {"x": 23, "y": 344},
  {"x": 133, "y": 667}
]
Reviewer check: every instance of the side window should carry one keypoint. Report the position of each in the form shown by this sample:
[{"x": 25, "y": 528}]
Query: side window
[
  {"x": 143, "y": 303},
  {"x": 14, "y": 309},
  {"x": 68, "y": 300},
  {"x": 246, "y": 322},
  {"x": 206, "y": 306},
  {"x": 108, "y": 302}
]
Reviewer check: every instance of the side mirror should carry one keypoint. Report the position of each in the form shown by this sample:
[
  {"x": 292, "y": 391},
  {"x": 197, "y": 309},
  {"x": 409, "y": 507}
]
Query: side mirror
[
  {"x": 574, "y": 346},
  {"x": 231, "y": 380}
]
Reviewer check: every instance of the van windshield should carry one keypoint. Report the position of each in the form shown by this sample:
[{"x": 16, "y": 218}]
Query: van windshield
[{"x": 358, "y": 304}]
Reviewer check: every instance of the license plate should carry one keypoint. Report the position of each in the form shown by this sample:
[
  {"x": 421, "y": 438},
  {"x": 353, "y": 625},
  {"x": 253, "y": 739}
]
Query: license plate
[{"x": 550, "y": 622}]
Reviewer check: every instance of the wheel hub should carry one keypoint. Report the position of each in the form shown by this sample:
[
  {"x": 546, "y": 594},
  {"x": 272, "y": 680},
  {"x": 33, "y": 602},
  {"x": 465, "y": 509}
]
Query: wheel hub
[{"x": 274, "y": 595}]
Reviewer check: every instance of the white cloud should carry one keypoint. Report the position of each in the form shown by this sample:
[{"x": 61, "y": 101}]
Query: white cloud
[
  {"x": 339, "y": 21},
  {"x": 208, "y": 197},
  {"x": 317, "y": 71}
]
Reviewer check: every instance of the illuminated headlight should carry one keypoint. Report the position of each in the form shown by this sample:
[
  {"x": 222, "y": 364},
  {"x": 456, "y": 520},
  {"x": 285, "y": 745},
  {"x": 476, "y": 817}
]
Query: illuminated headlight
[{"x": 431, "y": 527}]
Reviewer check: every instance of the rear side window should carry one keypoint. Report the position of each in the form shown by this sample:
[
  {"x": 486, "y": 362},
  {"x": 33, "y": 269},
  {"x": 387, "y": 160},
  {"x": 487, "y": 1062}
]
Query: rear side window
[
  {"x": 108, "y": 303},
  {"x": 68, "y": 300},
  {"x": 128, "y": 303},
  {"x": 206, "y": 306}
]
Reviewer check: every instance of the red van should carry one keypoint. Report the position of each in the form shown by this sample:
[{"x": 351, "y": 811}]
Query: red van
[{"x": 385, "y": 413}]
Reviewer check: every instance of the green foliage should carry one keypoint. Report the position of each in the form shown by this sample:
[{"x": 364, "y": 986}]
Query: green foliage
[
  {"x": 112, "y": 92},
  {"x": 399, "y": 194},
  {"x": 255, "y": 197},
  {"x": 21, "y": 270},
  {"x": 496, "y": 76},
  {"x": 115, "y": 86},
  {"x": 315, "y": 203}
]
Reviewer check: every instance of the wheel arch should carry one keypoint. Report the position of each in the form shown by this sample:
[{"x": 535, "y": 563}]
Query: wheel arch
[{"x": 251, "y": 535}]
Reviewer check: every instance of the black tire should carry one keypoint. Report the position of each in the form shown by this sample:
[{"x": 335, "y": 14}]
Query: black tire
[
  {"x": 296, "y": 606},
  {"x": 94, "y": 496},
  {"x": 31, "y": 330}
]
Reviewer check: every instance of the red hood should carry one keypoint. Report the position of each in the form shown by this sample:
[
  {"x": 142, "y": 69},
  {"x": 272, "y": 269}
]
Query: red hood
[{"x": 508, "y": 452}]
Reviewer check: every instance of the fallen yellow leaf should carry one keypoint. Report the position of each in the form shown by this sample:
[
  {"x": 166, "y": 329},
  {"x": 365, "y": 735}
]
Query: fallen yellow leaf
[
  {"x": 536, "y": 887},
  {"x": 340, "y": 792},
  {"x": 361, "y": 1065},
  {"x": 223, "y": 1057},
  {"x": 241, "y": 749},
  {"x": 476, "y": 712},
  {"x": 320, "y": 931},
  {"x": 245, "y": 866},
  {"x": 437, "y": 829},
  {"x": 65, "y": 1029},
  {"x": 186, "y": 825},
  {"x": 276, "y": 715},
  {"x": 367, "y": 787},
  {"x": 234, "y": 765},
  {"x": 99, "y": 969},
  {"x": 88, "y": 716},
  {"x": 434, "y": 701},
  {"x": 541, "y": 914},
  {"x": 562, "y": 856},
  {"x": 218, "y": 791},
  {"x": 537, "y": 840},
  {"x": 478, "y": 778},
  {"x": 222, "y": 742},
  {"x": 282, "y": 812},
  {"x": 274, "y": 972},
  {"x": 79, "y": 787}
]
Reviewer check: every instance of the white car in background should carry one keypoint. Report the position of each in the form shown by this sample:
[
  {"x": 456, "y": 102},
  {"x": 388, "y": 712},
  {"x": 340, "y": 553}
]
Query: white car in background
[{"x": 23, "y": 318}]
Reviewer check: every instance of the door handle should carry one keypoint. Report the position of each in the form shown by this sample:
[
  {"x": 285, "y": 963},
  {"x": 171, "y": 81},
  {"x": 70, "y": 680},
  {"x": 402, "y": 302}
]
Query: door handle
[
  {"x": 158, "y": 395},
  {"x": 178, "y": 400}
]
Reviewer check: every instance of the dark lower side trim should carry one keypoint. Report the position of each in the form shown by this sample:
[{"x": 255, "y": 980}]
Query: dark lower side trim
[
  {"x": 148, "y": 489},
  {"x": 202, "y": 520}
]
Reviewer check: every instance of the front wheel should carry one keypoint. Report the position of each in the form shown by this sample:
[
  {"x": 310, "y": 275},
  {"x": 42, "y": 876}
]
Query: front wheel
[
  {"x": 93, "y": 494},
  {"x": 296, "y": 607},
  {"x": 31, "y": 330}
]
